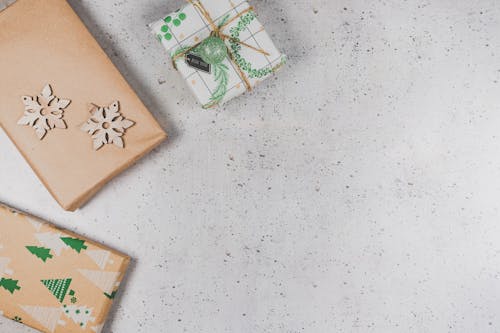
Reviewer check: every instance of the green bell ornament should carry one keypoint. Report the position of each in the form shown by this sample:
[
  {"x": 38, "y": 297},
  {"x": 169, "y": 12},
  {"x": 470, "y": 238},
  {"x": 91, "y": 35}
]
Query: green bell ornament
[{"x": 213, "y": 50}]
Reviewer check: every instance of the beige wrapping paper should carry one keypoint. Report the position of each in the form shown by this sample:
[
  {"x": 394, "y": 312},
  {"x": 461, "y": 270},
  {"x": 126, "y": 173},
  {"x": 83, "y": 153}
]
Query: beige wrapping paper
[
  {"x": 44, "y": 42},
  {"x": 54, "y": 280}
]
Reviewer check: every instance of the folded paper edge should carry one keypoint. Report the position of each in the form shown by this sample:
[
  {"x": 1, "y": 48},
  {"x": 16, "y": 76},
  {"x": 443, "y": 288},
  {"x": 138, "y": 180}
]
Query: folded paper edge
[
  {"x": 107, "y": 309},
  {"x": 6, "y": 3},
  {"x": 85, "y": 197},
  {"x": 63, "y": 230}
]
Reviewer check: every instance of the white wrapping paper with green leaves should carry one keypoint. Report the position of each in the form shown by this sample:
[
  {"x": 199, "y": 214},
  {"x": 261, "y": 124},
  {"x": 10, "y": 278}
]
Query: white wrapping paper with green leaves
[{"x": 219, "y": 47}]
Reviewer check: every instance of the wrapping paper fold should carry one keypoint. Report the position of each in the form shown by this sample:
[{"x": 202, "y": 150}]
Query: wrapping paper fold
[
  {"x": 218, "y": 83},
  {"x": 43, "y": 42},
  {"x": 53, "y": 280},
  {"x": 5, "y": 3}
]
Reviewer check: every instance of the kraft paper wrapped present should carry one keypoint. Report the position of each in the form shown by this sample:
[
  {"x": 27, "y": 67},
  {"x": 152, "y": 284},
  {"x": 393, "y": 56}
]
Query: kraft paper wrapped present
[
  {"x": 220, "y": 48},
  {"x": 53, "y": 280},
  {"x": 64, "y": 104}
]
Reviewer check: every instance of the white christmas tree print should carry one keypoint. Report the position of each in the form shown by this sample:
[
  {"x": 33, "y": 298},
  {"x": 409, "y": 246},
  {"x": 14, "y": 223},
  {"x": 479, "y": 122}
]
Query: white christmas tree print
[
  {"x": 100, "y": 257},
  {"x": 48, "y": 317},
  {"x": 81, "y": 315},
  {"x": 35, "y": 223},
  {"x": 106, "y": 281},
  {"x": 52, "y": 241},
  {"x": 98, "y": 328},
  {"x": 4, "y": 270}
]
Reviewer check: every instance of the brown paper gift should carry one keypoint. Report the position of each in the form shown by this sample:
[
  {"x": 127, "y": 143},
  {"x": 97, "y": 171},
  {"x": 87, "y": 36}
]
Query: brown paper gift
[
  {"x": 53, "y": 280},
  {"x": 46, "y": 51}
]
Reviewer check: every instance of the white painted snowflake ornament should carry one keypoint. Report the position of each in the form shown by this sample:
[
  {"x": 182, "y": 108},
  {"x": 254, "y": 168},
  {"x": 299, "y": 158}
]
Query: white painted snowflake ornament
[
  {"x": 107, "y": 125},
  {"x": 44, "y": 112}
]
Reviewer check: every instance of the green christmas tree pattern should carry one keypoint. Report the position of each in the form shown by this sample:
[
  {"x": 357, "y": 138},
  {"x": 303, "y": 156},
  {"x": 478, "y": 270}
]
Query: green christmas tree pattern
[
  {"x": 110, "y": 296},
  {"x": 41, "y": 252},
  {"x": 10, "y": 285},
  {"x": 76, "y": 244},
  {"x": 58, "y": 287}
]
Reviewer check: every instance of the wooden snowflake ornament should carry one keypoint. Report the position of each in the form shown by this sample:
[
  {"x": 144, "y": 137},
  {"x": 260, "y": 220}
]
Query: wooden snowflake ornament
[
  {"x": 44, "y": 112},
  {"x": 107, "y": 125}
]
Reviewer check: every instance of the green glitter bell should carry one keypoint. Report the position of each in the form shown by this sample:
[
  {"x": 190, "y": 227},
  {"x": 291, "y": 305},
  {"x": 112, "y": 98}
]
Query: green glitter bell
[{"x": 213, "y": 50}]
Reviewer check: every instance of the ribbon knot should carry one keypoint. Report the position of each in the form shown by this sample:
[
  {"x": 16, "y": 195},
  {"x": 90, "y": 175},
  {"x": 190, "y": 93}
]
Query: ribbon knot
[{"x": 214, "y": 49}]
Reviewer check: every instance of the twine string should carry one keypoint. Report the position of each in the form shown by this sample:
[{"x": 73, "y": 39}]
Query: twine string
[{"x": 217, "y": 31}]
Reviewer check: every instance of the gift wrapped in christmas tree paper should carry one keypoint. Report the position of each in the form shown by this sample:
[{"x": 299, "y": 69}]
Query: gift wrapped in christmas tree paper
[
  {"x": 219, "y": 47},
  {"x": 64, "y": 104},
  {"x": 53, "y": 280}
]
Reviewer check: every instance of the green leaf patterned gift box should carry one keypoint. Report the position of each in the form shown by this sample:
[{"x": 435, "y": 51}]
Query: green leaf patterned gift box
[{"x": 219, "y": 47}]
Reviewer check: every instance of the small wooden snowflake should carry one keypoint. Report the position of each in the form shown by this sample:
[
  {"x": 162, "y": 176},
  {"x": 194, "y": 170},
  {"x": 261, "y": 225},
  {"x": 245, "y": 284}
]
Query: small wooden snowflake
[
  {"x": 44, "y": 112},
  {"x": 107, "y": 125}
]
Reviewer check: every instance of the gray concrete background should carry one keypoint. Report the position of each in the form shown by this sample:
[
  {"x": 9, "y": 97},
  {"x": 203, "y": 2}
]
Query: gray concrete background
[{"x": 357, "y": 191}]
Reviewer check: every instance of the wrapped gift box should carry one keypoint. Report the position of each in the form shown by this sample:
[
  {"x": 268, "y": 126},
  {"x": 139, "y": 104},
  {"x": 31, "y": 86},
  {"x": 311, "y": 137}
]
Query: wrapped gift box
[
  {"x": 51, "y": 63},
  {"x": 252, "y": 56},
  {"x": 53, "y": 280}
]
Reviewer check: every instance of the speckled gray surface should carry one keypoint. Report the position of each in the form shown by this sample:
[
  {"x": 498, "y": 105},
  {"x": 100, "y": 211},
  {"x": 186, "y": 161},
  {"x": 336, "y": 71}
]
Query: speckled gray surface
[{"x": 357, "y": 191}]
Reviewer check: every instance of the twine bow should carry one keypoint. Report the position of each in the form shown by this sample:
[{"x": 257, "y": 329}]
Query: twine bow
[{"x": 217, "y": 31}]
